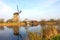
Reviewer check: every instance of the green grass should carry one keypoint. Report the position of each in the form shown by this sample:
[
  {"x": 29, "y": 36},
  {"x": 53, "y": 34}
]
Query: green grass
[{"x": 57, "y": 37}]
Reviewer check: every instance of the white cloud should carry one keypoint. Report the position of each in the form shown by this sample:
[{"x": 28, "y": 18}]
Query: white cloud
[
  {"x": 32, "y": 14},
  {"x": 5, "y": 10}
]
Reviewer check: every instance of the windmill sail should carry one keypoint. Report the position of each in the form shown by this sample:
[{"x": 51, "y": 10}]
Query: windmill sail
[{"x": 18, "y": 10}]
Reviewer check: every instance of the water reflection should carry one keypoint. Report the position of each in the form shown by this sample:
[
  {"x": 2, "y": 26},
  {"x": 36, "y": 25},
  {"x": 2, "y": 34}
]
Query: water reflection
[
  {"x": 15, "y": 29},
  {"x": 1, "y": 28},
  {"x": 17, "y": 33},
  {"x": 7, "y": 33}
]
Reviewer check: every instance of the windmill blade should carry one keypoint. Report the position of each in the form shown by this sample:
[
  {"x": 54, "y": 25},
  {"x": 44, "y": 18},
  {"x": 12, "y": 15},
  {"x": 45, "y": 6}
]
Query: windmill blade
[
  {"x": 17, "y": 8},
  {"x": 20, "y": 11}
]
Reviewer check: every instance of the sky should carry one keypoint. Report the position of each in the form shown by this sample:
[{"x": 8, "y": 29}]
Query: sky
[{"x": 31, "y": 9}]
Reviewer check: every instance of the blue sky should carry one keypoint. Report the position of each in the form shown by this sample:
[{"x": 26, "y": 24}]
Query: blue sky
[{"x": 31, "y": 9}]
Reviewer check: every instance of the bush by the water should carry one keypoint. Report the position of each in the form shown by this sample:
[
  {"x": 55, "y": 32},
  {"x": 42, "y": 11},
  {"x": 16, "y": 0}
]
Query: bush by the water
[{"x": 55, "y": 37}]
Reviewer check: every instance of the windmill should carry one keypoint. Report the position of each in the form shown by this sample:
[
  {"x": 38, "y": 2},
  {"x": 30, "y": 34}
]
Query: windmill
[{"x": 16, "y": 15}]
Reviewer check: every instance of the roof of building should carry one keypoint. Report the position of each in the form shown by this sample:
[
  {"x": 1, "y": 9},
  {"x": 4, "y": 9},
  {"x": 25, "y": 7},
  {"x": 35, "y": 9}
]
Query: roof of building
[{"x": 16, "y": 13}]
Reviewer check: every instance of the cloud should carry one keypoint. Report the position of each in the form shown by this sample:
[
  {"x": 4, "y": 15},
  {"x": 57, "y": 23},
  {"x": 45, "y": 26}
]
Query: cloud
[
  {"x": 5, "y": 10},
  {"x": 32, "y": 14}
]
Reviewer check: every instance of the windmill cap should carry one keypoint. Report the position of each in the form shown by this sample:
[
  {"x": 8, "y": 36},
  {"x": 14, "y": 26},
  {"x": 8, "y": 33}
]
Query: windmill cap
[{"x": 16, "y": 13}]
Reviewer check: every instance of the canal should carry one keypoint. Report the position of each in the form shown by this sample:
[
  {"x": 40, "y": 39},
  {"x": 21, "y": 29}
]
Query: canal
[{"x": 7, "y": 33}]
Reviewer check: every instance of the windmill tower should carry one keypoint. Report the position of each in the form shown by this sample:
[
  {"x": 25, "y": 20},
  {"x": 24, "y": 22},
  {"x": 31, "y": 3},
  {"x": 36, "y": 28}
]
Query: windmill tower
[{"x": 16, "y": 15}]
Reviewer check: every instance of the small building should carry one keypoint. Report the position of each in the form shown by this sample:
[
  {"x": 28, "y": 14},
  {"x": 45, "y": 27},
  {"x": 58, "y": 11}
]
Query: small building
[
  {"x": 34, "y": 23},
  {"x": 1, "y": 20},
  {"x": 27, "y": 21}
]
